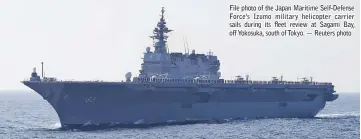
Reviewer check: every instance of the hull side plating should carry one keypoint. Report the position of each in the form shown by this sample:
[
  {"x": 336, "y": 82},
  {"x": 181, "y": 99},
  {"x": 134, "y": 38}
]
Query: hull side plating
[{"x": 121, "y": 103}]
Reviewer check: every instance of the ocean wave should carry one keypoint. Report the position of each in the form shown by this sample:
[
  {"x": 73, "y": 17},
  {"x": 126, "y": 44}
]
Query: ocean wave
[{"x": 338, "y": 115}]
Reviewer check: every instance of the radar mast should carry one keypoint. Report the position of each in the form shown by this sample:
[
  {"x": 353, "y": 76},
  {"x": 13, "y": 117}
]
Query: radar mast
[{"x": 160, "y": 36}]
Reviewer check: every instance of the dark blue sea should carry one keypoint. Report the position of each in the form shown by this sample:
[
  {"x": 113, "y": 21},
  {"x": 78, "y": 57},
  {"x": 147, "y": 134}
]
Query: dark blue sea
[{"x": 26, "y": 115}]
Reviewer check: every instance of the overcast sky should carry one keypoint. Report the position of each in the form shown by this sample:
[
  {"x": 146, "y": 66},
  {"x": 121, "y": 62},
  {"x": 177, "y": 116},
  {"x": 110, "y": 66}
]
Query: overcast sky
[{"x": 104, "y": 39}]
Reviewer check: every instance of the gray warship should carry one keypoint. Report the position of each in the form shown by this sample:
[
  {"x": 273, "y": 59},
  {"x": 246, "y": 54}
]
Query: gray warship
[{"x": 178, "y": 87}]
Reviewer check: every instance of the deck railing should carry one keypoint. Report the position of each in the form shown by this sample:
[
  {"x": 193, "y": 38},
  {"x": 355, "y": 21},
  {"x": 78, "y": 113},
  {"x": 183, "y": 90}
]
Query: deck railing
[
  {"x": 195, "y": 81},
  {"x": 221, "y": 81}
]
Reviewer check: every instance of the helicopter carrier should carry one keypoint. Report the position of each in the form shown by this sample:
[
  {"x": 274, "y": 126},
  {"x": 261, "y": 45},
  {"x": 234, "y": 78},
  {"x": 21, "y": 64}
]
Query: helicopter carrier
[{"x": 178, "y": 87}]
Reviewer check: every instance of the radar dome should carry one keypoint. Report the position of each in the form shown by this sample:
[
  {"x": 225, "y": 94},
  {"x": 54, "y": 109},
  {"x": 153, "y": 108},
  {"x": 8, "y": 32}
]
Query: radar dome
[
  {"x": 147, "y": 49},
  {"x": 128, "y": 75},
  {"x": 193, "y": 51}
]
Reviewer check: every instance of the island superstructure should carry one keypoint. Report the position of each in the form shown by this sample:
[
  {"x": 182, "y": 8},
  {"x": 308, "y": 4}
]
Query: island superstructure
[{"x": 178, "y": 87}]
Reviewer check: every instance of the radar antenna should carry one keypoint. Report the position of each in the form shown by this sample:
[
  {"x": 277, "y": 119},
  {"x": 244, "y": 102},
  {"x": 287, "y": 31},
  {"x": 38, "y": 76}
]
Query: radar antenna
[
  {"x": 42, "y": 69},
  {"x": 160, "y": 35},
  {"x": 184, "y": 45}
]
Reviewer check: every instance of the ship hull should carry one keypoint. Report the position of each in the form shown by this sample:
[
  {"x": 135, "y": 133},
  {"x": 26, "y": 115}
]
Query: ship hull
[{"x": 79, "y": 104}]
